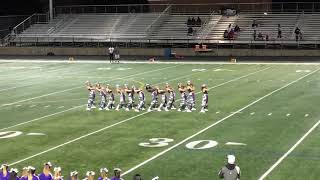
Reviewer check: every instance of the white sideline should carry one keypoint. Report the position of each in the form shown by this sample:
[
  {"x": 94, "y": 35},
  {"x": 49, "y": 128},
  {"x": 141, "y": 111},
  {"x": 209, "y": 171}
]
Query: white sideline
[
  {"x": 120, "y": 122},
  {"x": 60, "y": 112},
  {"x": 216, "y": 123},
  {"x": 57, "y": 92},
  {"x": 167, "y": 62},
  {"x": 289, "y": 151}
]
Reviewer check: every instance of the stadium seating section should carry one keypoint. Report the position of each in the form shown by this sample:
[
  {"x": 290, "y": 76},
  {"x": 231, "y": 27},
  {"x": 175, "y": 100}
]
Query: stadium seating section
[{"x": 103, "y": 27}]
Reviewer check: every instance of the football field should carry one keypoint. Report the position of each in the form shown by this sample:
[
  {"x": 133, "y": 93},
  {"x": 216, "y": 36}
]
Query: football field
[{"x": 267, "y": 115}]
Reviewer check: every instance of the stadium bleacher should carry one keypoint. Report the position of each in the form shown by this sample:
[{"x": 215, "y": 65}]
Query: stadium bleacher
[{"x": 165, "y": 26}]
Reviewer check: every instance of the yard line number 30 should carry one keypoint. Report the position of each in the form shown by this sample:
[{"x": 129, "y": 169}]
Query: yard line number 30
[{"x": 161, "y": 142}]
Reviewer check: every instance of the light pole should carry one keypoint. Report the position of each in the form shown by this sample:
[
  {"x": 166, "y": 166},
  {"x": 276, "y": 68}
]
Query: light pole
[{"x": 50, "y": 9}]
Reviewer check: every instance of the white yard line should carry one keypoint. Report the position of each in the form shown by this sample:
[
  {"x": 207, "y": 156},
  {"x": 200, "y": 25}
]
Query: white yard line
[
  {"x": 61, "y": 112},
  {"x": 118, "y": 123},
  {"x": 214, "y": 124},
  {"x": 66, "y": 90},
  {"x": 289, "y": 151}
]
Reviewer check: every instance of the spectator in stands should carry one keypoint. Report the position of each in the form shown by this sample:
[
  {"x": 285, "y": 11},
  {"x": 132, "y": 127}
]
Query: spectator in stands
[
  {"x": 225, "y": 34},
  {"x": 254, "y": 35},
  {"x": 267, "y": 37},
  {"x": 198, "y": 21},
  {"x": 137, "y": 177},
  {"x": 190, "y": 31},
  {"x": 279, "y": 31},
  {"x": 111, "y": 56},
  {"x": 236, "y": 29},
  {"x": 260, "y": 36},
  {"x": 117, "y": 174},
  {"x": 230, "y": 171},
  {"x": 189, "y": 22},
  {"x": 193, "y": 21},
  {"x": 229, "y": 28},
  {"x": 231, "y": 35},
  {"x": 297, "y": 31},
  {"x": 254, "y": 23}
]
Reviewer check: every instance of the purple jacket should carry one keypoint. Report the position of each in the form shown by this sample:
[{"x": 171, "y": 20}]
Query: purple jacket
[
  {"x": 2, "y": 177},
  {"x": 34, "y": 177},
  {"x": 23, "y": 178},
  {"x": 100, "y": 178},
  {"x": 42, "y": 176}
]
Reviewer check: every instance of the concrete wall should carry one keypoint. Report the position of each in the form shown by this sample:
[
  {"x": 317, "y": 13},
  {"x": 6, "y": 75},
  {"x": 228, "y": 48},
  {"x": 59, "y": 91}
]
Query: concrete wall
[{"x": 43, "y": 51}]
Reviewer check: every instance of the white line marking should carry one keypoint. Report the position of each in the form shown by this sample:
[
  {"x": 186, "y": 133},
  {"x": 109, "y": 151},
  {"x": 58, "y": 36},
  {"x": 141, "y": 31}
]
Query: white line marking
[
  {"x": 65, "y": 90},
  {"x": 33, "y": 105},
  {"x": 118, "y": 123},
  {"x": 216, "y": 123},
  {"x": 269, "y": 114},
  {"x": 288, "y": 152},
  {"x": 60, "y": 107},
  {"x": 37, "y": 119},
  {"x": 252, "y": 113},
  {"x": 158, "y": 62},
  {"x": 47, "y": 106},
  {"x": 235, "y": 144},
  {"x": 217, "y": 112},
  {"x": 236, "y": 112},
  {"x": 288, "y": 114},
  {"x": 306, "y": 115},
  {"x": 75, "y": 107},
  {"x": 35, "y": 134}
]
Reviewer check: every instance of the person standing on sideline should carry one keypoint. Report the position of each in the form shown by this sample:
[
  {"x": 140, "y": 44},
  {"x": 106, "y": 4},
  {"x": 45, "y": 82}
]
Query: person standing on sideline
[
  {"x": 4, "y": 172},
  {"x": 117, "y": 174},
  {"x": 46, "y": 173},
  {"x": 111, "y": 50},
  {"x": 117, "y": 55},
  {"x": 230, "y": 171}
]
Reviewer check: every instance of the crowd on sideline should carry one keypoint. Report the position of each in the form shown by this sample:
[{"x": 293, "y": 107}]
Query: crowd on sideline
[
  {"x": 228, "y": 172},
  {"x": 49, "y": 173},
  {"x": 191, "y": 23}
]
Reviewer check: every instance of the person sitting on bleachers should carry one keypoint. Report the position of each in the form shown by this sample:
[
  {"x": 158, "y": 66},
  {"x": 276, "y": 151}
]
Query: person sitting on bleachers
[
  {"x": 229, "y": 28},
  {"x": 254, "y": 35},
  {"x": 198, "y": 21},
  {"x": 231, "y": 35},
  {"x": 225, "y": 34},
  {"x": 189, "y": 21},
  {"x": 254, "y": 23},
  {"x": 236, "y": 29},
  {"x": 298, "y": 33},
  {"x": 190, "y": 31},
  {"x": 260, "y": 37},
  {"x": 193, "y": 21}
]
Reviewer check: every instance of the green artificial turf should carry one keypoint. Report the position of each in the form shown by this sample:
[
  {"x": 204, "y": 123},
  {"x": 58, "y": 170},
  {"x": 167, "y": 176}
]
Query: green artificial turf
[{"x": 50, "y": 98}]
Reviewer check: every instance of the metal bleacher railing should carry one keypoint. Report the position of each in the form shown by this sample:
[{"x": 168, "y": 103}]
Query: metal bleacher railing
[{"x": 160, "y": 11}]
